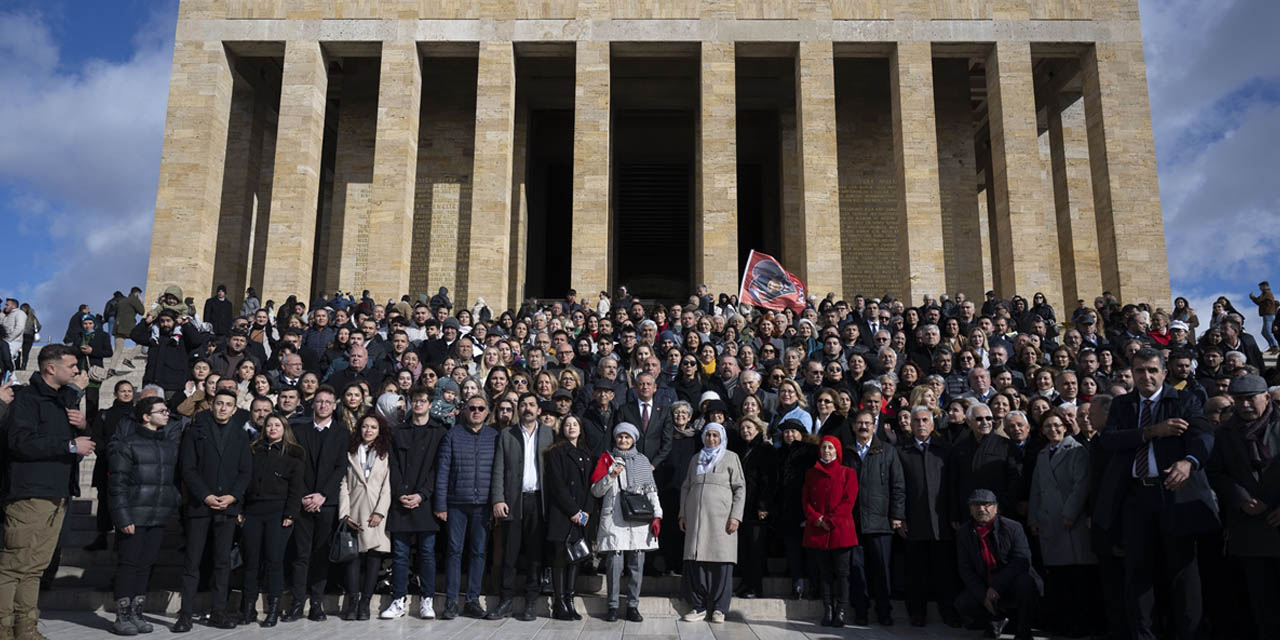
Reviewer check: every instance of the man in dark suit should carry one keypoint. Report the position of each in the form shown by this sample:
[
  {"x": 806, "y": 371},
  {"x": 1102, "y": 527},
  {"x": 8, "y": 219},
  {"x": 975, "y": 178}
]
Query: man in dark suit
[
  {"x": 1235, "y": 339},
  {"x": 357, "y": 370},
  {"x": 995, "y": 567},
  {"x": 1154, "y": 497},
  {"x": 516, "y": 494},
  {"x": 216, "y": 465},
  {"x": 324, "y": 438},
  {"x": 653, "y": 420},
  {"x": 930, "y": 550}
]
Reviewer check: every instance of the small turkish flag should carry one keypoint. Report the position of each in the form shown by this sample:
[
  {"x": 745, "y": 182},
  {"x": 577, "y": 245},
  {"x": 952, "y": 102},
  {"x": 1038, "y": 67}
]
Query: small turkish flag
[{"x": 766, "y": 284}]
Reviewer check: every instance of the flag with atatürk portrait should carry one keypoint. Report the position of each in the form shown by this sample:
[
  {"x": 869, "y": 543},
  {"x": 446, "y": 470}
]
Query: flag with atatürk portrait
[{"x": 766, "y": 284}]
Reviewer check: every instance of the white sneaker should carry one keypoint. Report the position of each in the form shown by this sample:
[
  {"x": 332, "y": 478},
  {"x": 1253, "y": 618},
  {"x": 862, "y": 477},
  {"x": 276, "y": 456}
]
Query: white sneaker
[
  {"x": 426, "y": 609},
  {"x": 694, "y": 616},
  {"x": 393, "y": 610},
  {"x": 717, "y": 617}
]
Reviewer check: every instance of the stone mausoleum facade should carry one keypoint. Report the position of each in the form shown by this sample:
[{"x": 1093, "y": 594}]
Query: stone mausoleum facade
[{"x": 510, "y": 149}]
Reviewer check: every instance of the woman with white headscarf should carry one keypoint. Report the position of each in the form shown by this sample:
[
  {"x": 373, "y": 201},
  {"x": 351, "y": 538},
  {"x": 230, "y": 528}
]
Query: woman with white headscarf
[{"x": 712, "y": 498}]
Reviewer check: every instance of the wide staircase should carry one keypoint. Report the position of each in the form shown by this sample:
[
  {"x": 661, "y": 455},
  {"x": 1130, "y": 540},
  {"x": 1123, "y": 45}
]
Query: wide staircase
[{"x": 84, "y": 579}]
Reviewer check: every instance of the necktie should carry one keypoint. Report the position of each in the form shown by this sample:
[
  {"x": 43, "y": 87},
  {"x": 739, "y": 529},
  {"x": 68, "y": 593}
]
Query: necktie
[
  {"x": 1142, "y": 466},
  {"x": 644, "y": 414}
]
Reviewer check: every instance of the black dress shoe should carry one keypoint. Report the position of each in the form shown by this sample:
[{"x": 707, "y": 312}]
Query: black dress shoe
[
  {"x": 220, "y": 620},
  {"x": 294, "y": 612},
  {"x": 450, "y": 610},
  {"x": 917, "y": 621},
  {"x": 952, "y": 619},
  {"x": 503, "y": 610},
  {"x": 528, "y": 614},
  {"x": 612, "y": 615},
  {"x": 473, "y": 609},
  {"x": 994, "y": 628},
  {"x": 633, "y": 615},
  {"x": 183, "y": 624},
  {"x": 317, "y": 612}
]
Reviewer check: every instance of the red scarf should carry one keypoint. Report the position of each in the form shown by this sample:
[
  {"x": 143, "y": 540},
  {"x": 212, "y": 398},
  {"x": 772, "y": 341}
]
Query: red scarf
[{"x": 987, "y": 556}]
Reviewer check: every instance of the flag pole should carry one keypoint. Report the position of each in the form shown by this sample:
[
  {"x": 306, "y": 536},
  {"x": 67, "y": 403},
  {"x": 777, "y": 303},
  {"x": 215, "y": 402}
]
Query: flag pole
[{"x": 742, "y": 284}]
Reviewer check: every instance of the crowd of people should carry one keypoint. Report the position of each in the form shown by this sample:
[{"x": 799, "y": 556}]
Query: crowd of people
[{"x": 1103, "y": 472}]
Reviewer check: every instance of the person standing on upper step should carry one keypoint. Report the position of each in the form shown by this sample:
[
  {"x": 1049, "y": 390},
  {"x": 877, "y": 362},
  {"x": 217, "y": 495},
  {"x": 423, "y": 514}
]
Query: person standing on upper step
[{"x": 144, "y": 499}]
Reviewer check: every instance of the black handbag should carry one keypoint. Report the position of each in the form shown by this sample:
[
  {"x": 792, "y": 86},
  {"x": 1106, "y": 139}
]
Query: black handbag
[
  {"x": 576, "y": 546},
  {"x": 635, "y": 506},
  {"x": 345, "y": 545}
]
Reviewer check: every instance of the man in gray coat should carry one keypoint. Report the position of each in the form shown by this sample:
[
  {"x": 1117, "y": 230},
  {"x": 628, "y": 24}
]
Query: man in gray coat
[
  {"x": 516, "y": 494},
  {"x": 879, "y": 511}
]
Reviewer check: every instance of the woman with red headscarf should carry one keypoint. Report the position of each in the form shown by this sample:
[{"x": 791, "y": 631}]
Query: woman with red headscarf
[{"x": 830, "y": 489}]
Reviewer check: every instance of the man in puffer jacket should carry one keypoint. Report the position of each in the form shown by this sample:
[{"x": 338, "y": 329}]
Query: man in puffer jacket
[{"x": 463, "y": 473}]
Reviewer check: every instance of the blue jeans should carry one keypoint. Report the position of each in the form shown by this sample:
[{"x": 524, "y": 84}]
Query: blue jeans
[
  {"x": 402, "y": 543},
  {"x": 466, "y": 524},
  {"x": 1267, "y": 321}
]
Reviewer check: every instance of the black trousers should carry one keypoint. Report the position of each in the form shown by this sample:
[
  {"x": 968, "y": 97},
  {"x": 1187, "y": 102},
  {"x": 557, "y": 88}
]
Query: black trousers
[
  {"x": 526, "y": 536},
  {"x": 799, "y": 562},
  {"x": 1111, "y": 576},
  {"x": 263, "y": 540},
  {"x": 135, "y": 555},
  {"x": 369, "y": 563},
  {"x": 931, "y": 573},
  {"x": 670, "y": 539},
  {"x": 222, "y": 527},
  {"x": 1263, "y": 577},
  {"x": 311, "y": 536},
  {"x": 1017, "y": 602},
  {"x": 753, "y": 551},
  {"x": 869, "y": 574},
  {"x": 833, "y": 574},
  {"x": 1072, "y": 598},
  {"x": 1147, "y": 550}
]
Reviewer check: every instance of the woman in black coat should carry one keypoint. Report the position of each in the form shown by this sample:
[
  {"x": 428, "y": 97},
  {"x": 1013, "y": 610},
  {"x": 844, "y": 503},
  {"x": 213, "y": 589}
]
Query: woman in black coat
[
  {"x": 271, "y": 503},
  {"x": 144, "y": 498},
  {"x": 568, "y": 475},
  {"x": 795, "y": 457},
  {"x": 759, "y": 468},
  {"x": 104, "y": 427}
]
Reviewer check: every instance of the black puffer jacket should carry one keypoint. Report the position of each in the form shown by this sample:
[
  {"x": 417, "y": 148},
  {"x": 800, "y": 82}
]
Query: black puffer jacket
[{"x": 143, "y": 479}]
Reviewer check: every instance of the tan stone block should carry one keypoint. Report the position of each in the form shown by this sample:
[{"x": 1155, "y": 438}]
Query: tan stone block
[
  {"x": 715, "y": 228},
  {"x": 489, "y": 234},
  {"x": 821, "y": 264},
  {"x": 188, "y": 200},
  {"x": 916, "y": 156},
  {"x": 1126, "y": 193},
  {"x": 589, "y": 263},
  {"x": 296, "y": 185},
  {"x": 395, "y": 165},
  {"x": 242, "y": 168}
]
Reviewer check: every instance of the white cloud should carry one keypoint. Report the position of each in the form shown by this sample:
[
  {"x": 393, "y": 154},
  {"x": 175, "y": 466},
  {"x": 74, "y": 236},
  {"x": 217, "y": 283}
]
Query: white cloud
[{"x": 80, "y": 149}]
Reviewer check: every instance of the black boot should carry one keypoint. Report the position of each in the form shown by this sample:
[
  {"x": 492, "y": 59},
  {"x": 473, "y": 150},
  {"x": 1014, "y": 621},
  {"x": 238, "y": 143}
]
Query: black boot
[
  {"x": 571, "y": 590},
  {"x": 248, "y": 608},
  {"x": 349, "y": 607},
  {"x": 273, "y": 612},
  {"x": 99, "y": 544},
  {"x": 362, "y": 612},
  {"x": 294, "y": 612},
  {"x": 837, "y": 620},
  {"x": 558, "y": 609}
]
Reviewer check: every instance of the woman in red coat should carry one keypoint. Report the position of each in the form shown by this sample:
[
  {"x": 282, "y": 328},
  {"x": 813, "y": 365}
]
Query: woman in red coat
[{"x": 830, "y": 489}]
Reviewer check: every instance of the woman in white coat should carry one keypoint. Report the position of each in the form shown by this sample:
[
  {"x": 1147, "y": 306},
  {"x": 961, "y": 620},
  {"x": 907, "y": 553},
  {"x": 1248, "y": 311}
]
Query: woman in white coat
[
  {"x": 363, "y": 502},
  {"x": 620, "y": 540},
  {"x": 1059, "y": 490}
]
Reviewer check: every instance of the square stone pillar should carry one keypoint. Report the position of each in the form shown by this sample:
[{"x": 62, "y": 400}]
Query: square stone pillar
[
  {"x": 821, "y": 263},
  {"x": 395, "y": 168},
  {"x": 295, "y": 189},
  {"x": 1025, "y": 224},
  {"x": 915, "y": 154},
  {"x": 188, "y": 200},
  {"x": 1126, "y": 194},
  {"x": 241, "y": 169},
  {"x": 486, "y": 269},
  {"x": 1073, "y": 197},
  {"x": 343, "y": 255},
  {"x": 715, "y": 229},
  {"x": 592, "y": 223}
]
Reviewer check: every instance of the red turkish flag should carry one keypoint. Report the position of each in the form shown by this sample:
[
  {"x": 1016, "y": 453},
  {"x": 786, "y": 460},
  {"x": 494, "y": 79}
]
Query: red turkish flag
[{"x": 766, "y": 284}]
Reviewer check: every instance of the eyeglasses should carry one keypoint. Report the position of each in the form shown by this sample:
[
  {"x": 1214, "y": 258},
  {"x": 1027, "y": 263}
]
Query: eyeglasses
[
  {"x": 825, "y": 401},
  {"x": 324, "y": 402},
  {"x": 160, "y": 412}
]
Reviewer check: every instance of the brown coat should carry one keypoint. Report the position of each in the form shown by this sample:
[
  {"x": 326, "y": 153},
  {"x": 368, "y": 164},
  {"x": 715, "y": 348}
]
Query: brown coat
[
  {"x": 1267, "y": 304},
  {"x": 360, "y": 498}
]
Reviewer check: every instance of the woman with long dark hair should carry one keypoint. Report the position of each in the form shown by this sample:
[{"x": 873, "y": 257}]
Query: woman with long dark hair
[
  {"x": 271, "y": 504},
  {"x": 568, "y": 473},
  {"x": 364, "y": 499}
]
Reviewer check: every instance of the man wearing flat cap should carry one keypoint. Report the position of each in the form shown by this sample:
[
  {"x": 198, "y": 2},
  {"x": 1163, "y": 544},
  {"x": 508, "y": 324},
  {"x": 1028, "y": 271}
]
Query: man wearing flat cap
[
  {"x": 1246, "y": 477},
  {"x": 995, "y": 568}
]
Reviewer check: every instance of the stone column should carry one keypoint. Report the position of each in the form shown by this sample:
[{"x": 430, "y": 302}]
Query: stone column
[
  {"x": 821, "y": 263},
  {"x": 1126, "y": 194},
  {"x": 1073, "y": 197},
  {"x": 241, "y": 168},
  {"x": 519, "y": 208},
  {"x": 486, "y": 269},
  {"x": 957, "y": 179},
  {"x": 295, "y": 189},
  {"x": 592, "y": 223},
  {"x": 395, "y": 167},
  {"x": 1026, "y": 232},
  {"x": 344, "y": 254},
  {"x": 915, "y": 154},
  {"x": 184, "y": 235},
  {"x": 715, "y": 236}
]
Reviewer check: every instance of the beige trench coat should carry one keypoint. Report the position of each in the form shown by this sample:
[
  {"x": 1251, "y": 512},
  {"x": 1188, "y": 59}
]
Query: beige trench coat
[
  {"x": 707, "y": 502},
  {"x": 360, "y": 498}
]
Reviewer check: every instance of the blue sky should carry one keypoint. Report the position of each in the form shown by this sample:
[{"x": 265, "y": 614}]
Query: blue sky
[{"x": 85, "y": 84}]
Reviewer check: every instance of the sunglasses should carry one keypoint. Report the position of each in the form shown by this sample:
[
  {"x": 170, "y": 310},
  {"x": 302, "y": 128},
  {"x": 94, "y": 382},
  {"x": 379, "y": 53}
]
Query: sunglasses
[{"x": 476, "y": 409}]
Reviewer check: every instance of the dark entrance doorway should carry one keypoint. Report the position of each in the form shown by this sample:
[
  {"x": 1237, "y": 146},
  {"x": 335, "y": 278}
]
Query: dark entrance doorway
[
  {"x": 653, "y": 201},
  {"x": 549, "y": 188}
]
